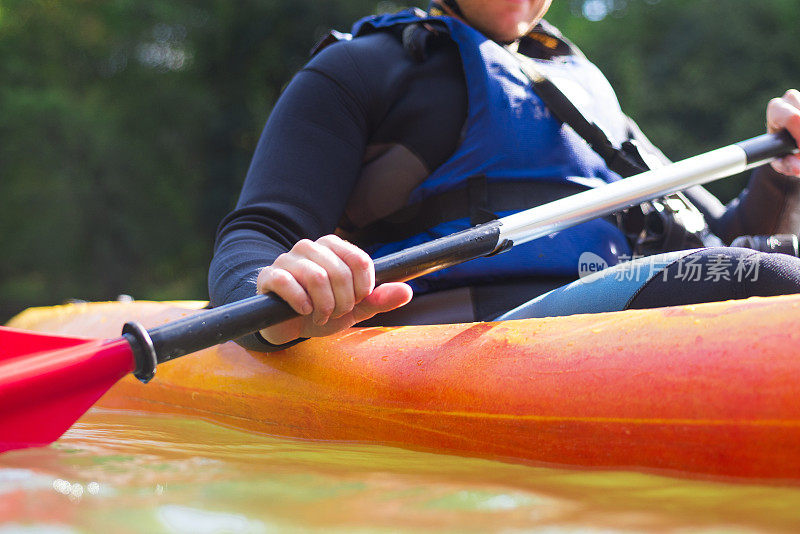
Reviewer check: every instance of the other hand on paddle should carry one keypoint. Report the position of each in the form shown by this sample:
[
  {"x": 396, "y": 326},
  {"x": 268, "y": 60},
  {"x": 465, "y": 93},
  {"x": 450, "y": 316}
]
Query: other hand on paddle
[
  {"x": 331, "y": 284},
  {"x": 784, "y": 114}
]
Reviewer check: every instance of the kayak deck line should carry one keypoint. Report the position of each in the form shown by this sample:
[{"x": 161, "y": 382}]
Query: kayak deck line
[
  {"x": 611, "y": 420},
  {"x": 504, "y": 416},
  {"x": 710, "y": 389}
]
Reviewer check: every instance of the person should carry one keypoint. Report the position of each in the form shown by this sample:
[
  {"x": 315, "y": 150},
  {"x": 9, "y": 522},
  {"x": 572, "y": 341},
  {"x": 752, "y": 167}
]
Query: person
[{"x": 423, "y": 123}]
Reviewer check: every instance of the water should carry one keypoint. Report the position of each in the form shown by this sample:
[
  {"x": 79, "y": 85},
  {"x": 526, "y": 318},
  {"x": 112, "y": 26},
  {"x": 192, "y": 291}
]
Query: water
[{"x": 126, "y": 472}]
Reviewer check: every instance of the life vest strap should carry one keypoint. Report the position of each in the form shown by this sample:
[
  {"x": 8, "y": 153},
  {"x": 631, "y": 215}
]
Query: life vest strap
[{"x": 479, "y": 200}]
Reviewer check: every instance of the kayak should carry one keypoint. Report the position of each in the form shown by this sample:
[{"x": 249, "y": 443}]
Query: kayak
[{"x": 711, "y": 389}]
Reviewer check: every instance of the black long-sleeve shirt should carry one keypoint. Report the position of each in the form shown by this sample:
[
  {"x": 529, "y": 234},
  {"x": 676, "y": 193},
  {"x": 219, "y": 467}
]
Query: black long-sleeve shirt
[{"x": 359, "y": 127}]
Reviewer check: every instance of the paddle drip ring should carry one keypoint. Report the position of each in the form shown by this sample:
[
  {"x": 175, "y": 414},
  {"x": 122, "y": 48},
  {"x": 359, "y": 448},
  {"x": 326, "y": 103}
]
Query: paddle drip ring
[{"x": 143, "y": 351}]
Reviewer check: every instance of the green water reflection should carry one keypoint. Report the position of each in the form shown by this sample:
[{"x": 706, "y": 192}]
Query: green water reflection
[{"x": 122, "y": 472}]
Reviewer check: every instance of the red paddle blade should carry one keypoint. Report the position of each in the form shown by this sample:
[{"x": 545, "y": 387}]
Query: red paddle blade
[{"x": 47, "y": 382}]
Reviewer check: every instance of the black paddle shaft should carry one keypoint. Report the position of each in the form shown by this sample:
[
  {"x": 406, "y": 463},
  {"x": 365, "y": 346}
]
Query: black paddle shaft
[
  {"x": 767, "y": 147},
  {"x": 217, "y": 325}
]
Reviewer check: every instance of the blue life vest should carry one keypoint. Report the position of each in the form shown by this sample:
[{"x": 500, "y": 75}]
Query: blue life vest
[{"x": 509, "y": 135}]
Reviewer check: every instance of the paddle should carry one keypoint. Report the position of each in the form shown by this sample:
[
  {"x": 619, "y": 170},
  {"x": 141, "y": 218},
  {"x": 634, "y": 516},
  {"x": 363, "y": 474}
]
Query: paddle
[{"x": 48, "y": 382}]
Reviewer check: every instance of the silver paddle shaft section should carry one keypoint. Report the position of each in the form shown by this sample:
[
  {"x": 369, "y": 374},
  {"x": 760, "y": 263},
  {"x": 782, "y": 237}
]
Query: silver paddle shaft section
[{"x": 544, "y": 220}]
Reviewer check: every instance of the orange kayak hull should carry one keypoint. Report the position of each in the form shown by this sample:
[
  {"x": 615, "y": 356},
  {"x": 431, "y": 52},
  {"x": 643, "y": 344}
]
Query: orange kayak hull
[{"x": 712, "y": 389}]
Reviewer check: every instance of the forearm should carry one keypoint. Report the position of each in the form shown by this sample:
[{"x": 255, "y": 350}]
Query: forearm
[
  {"x": 769, "y": 205},
  {"x": 771, "y": 202},
  {"x": 297, "y": 185}
]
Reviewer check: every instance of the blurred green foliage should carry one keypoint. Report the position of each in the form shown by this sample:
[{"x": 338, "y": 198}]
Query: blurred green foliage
[{"x": 126, "y": 127}]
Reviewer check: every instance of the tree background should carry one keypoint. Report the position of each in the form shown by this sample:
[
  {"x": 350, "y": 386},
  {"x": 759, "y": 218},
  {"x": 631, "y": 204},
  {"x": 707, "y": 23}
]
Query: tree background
[{"x": 126, "y": 126}]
